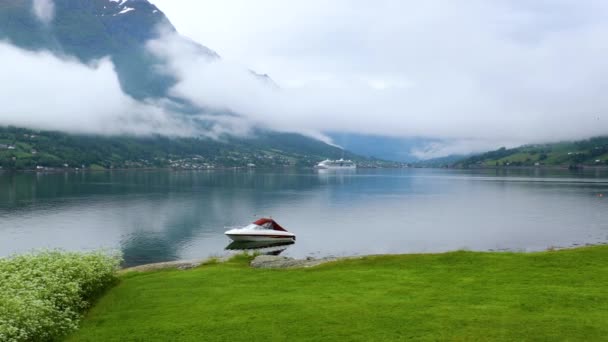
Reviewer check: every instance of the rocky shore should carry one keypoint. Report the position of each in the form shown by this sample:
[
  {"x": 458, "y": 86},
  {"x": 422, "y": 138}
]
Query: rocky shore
[
  {"x": 260, "y": 261},
  {"x": 272, "y": 261},
  {"x": 281, "y": 262}
]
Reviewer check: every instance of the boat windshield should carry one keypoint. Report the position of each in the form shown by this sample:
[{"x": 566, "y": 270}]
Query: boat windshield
[
  {"x": 256, "y": 227},
  {"x": 268, "y": 224}
]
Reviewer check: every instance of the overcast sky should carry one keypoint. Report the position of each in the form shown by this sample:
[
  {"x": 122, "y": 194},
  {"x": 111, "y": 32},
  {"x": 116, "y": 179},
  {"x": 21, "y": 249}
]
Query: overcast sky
[
  {"x": 387, "y": 41},
  {"x": 475, "y": 74},
  {"x": 475, "y": 71}
]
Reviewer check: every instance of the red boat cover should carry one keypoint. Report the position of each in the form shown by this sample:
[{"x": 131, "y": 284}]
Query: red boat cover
[{"x": 270, "y": 223}]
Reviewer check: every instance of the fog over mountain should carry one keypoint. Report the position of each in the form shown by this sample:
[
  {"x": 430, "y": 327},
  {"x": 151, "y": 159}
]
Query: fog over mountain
[
  {"x": 44, "y": 10},
  {"x": 43, "y": 91},
  {"x": 464, "y": 77},
  {"x": 474, "y": 74},
  {"x": 84, "y": 67}
]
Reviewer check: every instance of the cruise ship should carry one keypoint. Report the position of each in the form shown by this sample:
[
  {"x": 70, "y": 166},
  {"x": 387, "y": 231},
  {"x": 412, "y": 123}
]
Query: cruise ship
[{"x": 336, "y": 164}]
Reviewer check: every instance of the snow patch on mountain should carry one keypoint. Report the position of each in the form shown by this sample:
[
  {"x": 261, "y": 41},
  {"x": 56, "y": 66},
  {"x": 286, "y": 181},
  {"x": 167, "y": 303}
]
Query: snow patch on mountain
[
  {"x": 119, "y": 7},
  {"x": 125, "y": 10}
]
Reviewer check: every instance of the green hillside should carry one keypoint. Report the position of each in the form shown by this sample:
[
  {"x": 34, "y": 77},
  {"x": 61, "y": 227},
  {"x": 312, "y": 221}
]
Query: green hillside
[
  {"x": 591, "y": 152},
  {"x": 24, "y": 149}
]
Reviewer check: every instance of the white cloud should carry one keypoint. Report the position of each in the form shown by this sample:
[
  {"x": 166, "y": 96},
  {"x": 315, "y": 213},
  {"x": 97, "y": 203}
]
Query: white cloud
[
  {"x": 44, "y": 10},
  {"x": 46, "y": 92},
  {"x": 475, "y": 73}
]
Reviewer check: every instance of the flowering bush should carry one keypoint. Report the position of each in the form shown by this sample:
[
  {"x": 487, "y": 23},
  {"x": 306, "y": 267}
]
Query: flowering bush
[{"x": 43, "y": 294}]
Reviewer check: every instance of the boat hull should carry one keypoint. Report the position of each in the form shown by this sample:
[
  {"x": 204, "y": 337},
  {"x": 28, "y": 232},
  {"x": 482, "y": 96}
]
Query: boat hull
[
  {"x": 257, "y": 245},
  {"x": 261, "y": 238}
]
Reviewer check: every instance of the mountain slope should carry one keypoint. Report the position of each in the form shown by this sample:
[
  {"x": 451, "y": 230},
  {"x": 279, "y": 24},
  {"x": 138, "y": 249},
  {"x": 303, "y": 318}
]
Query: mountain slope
[
  {"x": 591, "y": 152},
  {"x": 24, "y": 149},
  {"x": 92, "y": 29},
  {"x": 120, "y": 29}
]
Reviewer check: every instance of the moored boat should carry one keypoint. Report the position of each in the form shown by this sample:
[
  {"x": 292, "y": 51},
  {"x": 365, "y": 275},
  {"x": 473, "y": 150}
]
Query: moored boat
[{"x": 264, "y": 229}]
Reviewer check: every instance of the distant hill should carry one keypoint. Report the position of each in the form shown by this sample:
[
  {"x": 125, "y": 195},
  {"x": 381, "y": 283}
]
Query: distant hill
[
  {"x": 590, "y": 152},
  {"x": 24, "y": 149},
  {"x": 387, "y": 148},
  {"x": 446, "y": 161}
]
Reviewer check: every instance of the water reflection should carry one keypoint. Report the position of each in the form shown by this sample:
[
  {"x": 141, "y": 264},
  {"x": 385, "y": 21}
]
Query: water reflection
[
  {"x": 260, "y": 247},
  {"x": 155, "y": 216}
]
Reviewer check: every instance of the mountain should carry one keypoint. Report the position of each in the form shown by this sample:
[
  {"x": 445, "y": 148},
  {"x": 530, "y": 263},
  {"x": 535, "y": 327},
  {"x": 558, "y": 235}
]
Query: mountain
[
  {"x": 92, "y": 29},
  {"x": 590, "y": 152},
  {"x": 120, "y": 29}
]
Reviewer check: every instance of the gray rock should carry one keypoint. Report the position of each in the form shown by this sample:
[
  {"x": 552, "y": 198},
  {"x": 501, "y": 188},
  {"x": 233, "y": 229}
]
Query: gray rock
[
  {"x": 271, "y": 261},
  {"x": 180, "y": 265}
]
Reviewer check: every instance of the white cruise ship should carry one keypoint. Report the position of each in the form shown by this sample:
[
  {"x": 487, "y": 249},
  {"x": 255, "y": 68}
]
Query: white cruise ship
[{"x": 336, "y": 164}]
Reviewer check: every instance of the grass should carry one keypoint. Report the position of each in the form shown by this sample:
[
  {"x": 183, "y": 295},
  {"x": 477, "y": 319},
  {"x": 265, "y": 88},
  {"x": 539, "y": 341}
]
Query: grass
[{"x": 460, "y": 296}]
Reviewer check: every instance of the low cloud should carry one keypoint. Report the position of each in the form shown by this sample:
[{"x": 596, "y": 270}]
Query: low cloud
[
  {"x": 46, "y": 92},
  {"x": 44, "y": 10},
  {"x": 469, "y": 77},
  {"x": 437, "y": 149},
  {"x": 476, "y": 75}
]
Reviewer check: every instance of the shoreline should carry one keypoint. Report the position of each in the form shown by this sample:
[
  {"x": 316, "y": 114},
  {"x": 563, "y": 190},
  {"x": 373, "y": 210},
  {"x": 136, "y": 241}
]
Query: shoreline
[
  {"x": 531, "y": 167},
  {"x": 412, "y": 166},
  {"x": 283, "y": 262},
  {"x": 239, "y": 168}
]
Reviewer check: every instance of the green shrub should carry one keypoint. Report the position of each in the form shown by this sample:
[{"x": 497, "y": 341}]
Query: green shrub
[{"x": 43, "y": 294}]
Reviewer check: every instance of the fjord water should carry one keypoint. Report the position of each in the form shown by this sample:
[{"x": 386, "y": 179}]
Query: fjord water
[{"x": 154, "y": 216}]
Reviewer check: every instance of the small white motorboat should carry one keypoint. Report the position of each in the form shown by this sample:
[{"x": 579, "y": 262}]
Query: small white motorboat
[{"x": 264, "y": 229}]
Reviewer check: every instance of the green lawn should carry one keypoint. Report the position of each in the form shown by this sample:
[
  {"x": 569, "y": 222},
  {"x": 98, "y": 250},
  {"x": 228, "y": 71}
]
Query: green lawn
[{"x": 462, "y": 296}]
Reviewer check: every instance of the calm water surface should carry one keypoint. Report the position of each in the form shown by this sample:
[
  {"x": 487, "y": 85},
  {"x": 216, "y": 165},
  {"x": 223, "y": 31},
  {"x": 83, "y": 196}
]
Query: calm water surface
[{"x": 154, "y": 216}]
